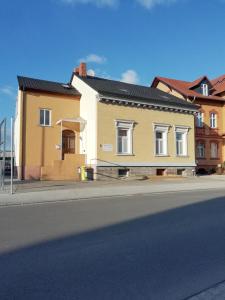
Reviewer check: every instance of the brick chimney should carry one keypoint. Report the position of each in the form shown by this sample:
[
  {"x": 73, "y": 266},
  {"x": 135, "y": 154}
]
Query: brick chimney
[{"x": 81, "y": 70}]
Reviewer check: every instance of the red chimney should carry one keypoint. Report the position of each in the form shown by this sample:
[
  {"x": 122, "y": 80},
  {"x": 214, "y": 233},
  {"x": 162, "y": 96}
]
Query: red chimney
[
  {"x": 81, "y": 70},
  {"x": 76, "y": 70}
]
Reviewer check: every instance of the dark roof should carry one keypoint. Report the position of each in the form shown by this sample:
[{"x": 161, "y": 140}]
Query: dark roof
[
  {"x": 26, "y": 83},
  {"x": 118, "y": 89}
]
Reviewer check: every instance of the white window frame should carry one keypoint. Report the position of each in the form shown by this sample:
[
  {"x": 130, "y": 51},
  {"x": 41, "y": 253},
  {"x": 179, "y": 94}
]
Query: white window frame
[
  {"x": 126, "y": 125},
  {"x": 205, "y": 89},
  {"x": 213, "y": 120},
  {"x": 164, "y": 128},
  {"x": 200, "y": 156},
  {"x": 212, "y": 150},
  {"x": 200, "y": 119},
  {"x": 50, "y": 117},
  {"x": 184, "y": 131}
]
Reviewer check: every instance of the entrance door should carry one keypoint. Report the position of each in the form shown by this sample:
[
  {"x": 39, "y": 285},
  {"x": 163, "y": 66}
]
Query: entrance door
[{"x": 68, "y": 142}]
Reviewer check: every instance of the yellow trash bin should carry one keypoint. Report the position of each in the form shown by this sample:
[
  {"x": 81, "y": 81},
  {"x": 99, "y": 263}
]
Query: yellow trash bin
[{"x": 83, "y": 173}]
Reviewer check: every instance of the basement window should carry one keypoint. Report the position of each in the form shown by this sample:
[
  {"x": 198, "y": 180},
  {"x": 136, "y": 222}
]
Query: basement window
[
  {"x": 123, "y": 172},
  {"x": 160, "y": 172}
]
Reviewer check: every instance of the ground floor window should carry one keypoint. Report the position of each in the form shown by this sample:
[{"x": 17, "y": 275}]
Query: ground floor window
[
  {"x": 201, "y": 150},
  {"x": 214, "y": 150},
  {"x": 181, "y": 135},
  {"x": 124, "y": 137},
  {"x": 161, "y": 139}
]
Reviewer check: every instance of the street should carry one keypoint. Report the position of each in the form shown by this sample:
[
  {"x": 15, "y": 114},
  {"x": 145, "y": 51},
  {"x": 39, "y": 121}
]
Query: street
[{"x": 162, "y": 246}]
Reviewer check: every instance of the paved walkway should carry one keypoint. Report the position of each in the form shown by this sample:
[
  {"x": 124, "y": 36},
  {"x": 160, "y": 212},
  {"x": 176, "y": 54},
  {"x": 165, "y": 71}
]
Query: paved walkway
[{"x": 37, "y": 192}]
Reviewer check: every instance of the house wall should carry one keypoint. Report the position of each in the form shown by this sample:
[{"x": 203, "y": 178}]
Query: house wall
[
  {"x": 18, "y": 131},
  {"x": 163, "y": 87},
  {"x": 88, "y": 111},
  {"x": 143, "y": 137},
  {"x": 38, "y": 142},
  {"x": 206, "y": 134},
  {"x": 209, "y": 135}
]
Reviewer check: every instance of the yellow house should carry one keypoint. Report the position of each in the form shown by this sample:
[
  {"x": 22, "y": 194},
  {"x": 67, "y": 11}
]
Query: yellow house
[{"x": 116, "y": 128}]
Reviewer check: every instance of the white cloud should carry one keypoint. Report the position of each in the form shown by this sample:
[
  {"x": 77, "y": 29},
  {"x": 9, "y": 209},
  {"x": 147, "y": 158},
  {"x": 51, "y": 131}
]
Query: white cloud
[
  {"x": 91, "y": 72},
  {"x": 93, "y": 58},
  {"x": 151, "y": 3},
  {"x": 130, "y": 76},
  {"x": 99, "y": 3},
  {"x": 7, "y": 90}
]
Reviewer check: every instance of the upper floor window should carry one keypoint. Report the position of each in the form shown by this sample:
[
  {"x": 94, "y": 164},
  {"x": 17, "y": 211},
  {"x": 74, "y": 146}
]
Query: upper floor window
[
  {"x": 45, "y": 117},
  {"x": 200, "y": 150},
  {"x": 213, "y": 120},
  {"x": 205, "y": 89},
  {"x": 161, "y": 139},
  {"x": 124, "y": 137},
  {"x": 200, "y": 119}
]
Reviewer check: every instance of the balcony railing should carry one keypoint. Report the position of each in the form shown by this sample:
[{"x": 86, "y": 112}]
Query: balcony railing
[{"x": 207, "y": 131}]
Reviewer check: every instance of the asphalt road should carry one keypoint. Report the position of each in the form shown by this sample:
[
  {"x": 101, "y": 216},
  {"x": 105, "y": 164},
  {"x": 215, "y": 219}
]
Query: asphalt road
[{"x": 166, "y": 246}]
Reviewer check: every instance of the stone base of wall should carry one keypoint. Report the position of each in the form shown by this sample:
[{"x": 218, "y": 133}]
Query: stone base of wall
[{"x": 115, "y": 173}]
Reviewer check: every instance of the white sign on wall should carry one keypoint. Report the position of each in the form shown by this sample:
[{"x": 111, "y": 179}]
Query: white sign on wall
[{"x": 107, "y": 147}]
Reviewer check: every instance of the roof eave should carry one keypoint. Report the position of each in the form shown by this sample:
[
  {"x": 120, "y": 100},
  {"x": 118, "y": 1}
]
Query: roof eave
[{"x": 132, "y": 102}]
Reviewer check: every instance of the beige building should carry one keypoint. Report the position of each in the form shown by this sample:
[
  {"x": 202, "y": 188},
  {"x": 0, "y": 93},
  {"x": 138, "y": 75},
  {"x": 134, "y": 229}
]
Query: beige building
[{"x": 117, "y": 129}]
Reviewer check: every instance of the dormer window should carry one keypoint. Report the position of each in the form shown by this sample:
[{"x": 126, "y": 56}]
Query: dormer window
[{"x": 205, "y": 89}]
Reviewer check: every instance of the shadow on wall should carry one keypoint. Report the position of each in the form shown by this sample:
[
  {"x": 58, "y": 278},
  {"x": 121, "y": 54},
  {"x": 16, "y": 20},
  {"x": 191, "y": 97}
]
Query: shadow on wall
[{"x": 169, "y": 255}]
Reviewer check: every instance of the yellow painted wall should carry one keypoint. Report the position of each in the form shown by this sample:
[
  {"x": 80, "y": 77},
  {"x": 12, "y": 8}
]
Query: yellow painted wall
[
  {"x": 163, "y": 87},
  {"x": 39, "y": 143},
  {"x": 143, "y": 134}
]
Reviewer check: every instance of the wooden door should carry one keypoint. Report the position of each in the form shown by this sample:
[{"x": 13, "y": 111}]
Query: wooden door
[{"x": 68, "y": 142}]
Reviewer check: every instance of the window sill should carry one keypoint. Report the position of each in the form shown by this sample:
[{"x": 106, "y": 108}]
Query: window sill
[
  {"x": 45, "y": 125},
  {"x": 162, "y": 155},
  {"x": 124, "y": 154},
  {"x": 202, "y": 158},
  {"x": 182, "y": 156}
]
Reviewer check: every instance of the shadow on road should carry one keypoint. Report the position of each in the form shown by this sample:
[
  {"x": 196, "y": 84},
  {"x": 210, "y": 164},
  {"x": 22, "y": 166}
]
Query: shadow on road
[{"x": 169, "y": 255}]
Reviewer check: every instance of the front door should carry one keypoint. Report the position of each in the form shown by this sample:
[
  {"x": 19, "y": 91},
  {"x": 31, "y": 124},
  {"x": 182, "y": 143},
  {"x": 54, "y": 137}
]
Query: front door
[{"x": 68, "y": 142}]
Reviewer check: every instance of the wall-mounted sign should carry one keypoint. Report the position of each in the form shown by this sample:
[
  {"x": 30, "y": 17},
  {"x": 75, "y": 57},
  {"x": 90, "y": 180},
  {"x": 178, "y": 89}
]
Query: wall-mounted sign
[{"x": 107, "y": 147}]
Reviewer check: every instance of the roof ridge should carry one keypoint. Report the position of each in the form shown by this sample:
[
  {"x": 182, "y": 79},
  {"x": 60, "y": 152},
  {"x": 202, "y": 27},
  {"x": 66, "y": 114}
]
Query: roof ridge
[
  {"x": 25, "y": 77},
  {"x": 113, "y": 80}
]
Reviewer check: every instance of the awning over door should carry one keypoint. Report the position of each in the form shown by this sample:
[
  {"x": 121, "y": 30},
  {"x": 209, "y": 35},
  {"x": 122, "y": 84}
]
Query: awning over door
[{"x": 76, "y": 124}]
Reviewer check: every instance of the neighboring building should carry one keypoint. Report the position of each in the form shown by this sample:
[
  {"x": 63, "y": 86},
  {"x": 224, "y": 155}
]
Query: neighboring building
[
  {"x": 114, "y": 127},
  {"x": 210, "y": 122}
]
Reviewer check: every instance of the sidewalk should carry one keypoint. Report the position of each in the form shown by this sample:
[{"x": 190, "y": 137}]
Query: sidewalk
[{"x": 39, "y": 192}]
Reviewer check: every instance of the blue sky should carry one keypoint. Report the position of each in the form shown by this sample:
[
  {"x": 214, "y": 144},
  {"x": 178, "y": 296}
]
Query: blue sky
[{"x": 133, "y": 40}]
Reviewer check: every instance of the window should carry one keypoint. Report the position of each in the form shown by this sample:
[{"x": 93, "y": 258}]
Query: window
[
  {"x": 124, "y": 137},
  {"x": 181, "y": 140},
  {"x": 200, "y": 117},
  {"x": 201, "y": 150},
  {"x": 160, "y": 143},
  {"x": 161, "y": 133},
  {"x": 205, "y": 89},
  {"x": 213, "y": 120},
  {"x": 180, "y": 143},
  {"x": 214, "y": 150},
  {"x": 45, "y": 117}
]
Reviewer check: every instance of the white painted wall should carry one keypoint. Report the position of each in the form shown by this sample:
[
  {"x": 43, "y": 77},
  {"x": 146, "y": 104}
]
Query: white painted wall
[
  {"x": 17, "y": 133},
  {"x": 88, "y": 111}
]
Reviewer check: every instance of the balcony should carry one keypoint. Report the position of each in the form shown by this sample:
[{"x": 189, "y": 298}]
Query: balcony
[{"x": 203, "y": 131}]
